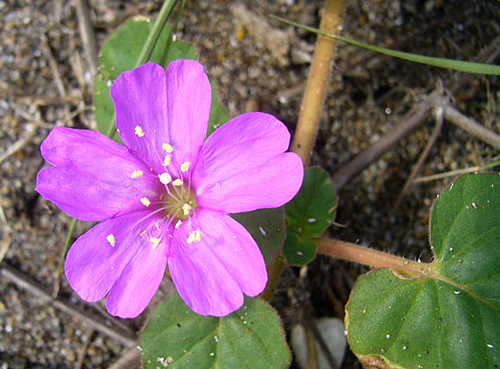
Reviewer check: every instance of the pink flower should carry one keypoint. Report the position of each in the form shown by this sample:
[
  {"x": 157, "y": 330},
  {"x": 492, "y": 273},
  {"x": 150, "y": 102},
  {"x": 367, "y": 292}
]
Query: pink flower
[{"x": 164, "y": 197}]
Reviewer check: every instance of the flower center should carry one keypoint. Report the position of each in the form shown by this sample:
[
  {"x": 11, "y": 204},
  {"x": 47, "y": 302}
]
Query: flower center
[{"x": 180, "y": 201}]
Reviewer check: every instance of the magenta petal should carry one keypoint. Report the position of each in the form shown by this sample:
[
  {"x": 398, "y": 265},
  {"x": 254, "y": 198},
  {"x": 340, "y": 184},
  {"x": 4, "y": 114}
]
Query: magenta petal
[
  {"x": 97, "y": 259},
  {"x": 189, "y": 96},
  {"x": 243, "y": 166},
  {"x": 141, "y": 116},
  {"x": 138, "y": 282},
  {"x": 154, "y": 107},
  {"x": 212, "y": 274},
  {"x": 92, "y": 178}
]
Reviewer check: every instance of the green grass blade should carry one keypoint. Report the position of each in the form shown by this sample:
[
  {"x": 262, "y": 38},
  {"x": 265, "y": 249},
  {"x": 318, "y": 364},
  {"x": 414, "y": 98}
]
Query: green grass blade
[{"x": 458, "y": 65}]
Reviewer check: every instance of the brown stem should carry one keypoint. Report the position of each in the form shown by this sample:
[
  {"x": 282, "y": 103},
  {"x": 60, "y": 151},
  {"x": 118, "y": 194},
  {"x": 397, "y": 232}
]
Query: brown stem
[
  {"x": 377, "y": 259},
  {"x": 312, "y": 352},
  {"x": 372, "y": 258},
  {"x": 310, "y": 111},
  {"x": 314, "y": 95},
  {"x": 274, "y": 271}
]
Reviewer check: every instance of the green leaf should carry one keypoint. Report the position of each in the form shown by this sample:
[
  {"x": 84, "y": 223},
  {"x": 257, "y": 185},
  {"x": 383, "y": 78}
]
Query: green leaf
[
  {"x": 299, "y": 250},
  {"x": 312, "y": 210},
  {"x": 218, "y": 113},
  {"x": 458, "y": 65},
  {"x": 451, "y": 317},
  {"x": 119, "y": 54},
  {"x": 267, "y": 227},
  {"x": 252, "y": 337},
  {"x": 308, "y": 215}
]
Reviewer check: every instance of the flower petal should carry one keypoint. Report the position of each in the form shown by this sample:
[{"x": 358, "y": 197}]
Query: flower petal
[
  {"x": 95, "y": 178},
  {"x": 139, "y": 281},
  {"x": 97, "y": 259},
  {"x": 189, "y": 97},
  {"x": 212, "y": 273},
  {"x": 154, "y": 108},
  {"x": 243, "y": 167}
]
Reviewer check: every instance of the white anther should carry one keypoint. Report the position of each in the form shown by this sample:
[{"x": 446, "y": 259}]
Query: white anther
[
  {"x": 111, "y": 239},
  {"x": 167, "y": 147},
  {"x": 165, "y": 178},
  {"x": 185, "y": 166},
  {"x": 145, "y": 201},
  {"x": 155, "y": 241},
  {"x": 186, "y": 208},
  {"x": 137, "y": 174},
  {"x": 138, "y": 131},
  {"x": 194, "y": 236}
]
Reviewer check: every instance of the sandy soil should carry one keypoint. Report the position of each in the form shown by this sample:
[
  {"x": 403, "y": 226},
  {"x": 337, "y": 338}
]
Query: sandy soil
[{"x": 45, "y": 80}]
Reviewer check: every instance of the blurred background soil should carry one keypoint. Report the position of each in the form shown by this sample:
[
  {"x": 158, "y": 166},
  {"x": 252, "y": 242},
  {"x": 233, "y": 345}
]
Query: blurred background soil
[{"x": 45, "y": 80}]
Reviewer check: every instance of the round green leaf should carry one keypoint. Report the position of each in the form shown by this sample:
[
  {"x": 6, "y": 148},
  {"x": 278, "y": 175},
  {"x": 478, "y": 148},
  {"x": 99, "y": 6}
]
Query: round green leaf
[
  {"x": 451, "y": 317},
  {"x": 309, "y": 213},
  {"x": 267, "y": 227},
  {"x": 176, "y": 337},
  {"x": 312, "y": 210},
  {"x": 299, "y": 250}
]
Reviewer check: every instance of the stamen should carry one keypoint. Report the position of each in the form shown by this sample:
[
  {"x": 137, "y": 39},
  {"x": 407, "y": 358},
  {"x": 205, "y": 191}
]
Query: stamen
[
  {"x": 165, "y": 178},
  {"x": 138, "y": 131},
  {"x": 111, "y": 239},
  {"x": 178, "y": 224},
  {"x": 167, "y": 147},
  {"x": 137, "y": 174},
  {"x": 178, "y": 182},
  {"x": 194, "y": 236},
  {"x": 185, "y": 166},
  {"x": 155, "y": 241},
  {"x": 167, "y": 160},
  {"x": 197, "y": 235},
  {"x": 145, "y": 201},
  {"x": 186, "y": 208}
]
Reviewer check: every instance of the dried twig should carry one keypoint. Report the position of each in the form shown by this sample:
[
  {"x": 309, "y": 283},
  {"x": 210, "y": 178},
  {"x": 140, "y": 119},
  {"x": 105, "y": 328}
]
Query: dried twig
[
  {"x": 87, "y": 34},
  {"x": 56, "y": 74},
  {"x": 411, "y": 120},
  {"x": 19, "y": 144},
  {"x": 129, "y": 360},
  {"x": 124, "y": 337},
  {"x": 447, "y": 174},
  {"x": 7, "y": 235},
  {"x": 87, "y": 339},
  {"x": 312, "y": 352},
  {"x": 53, "y": 66},
  {"x": 470, "y": 125},
  {"x": 418, "y": 165}
]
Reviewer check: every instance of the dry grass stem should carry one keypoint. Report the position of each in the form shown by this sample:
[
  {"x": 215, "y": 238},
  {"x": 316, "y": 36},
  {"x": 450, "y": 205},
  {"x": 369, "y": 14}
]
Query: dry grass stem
[{"x": 314, "y": 95}]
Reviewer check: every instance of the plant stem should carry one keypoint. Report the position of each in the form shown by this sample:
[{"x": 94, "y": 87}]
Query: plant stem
[
  {"x": 457, "y": 172},
  {"x": 154, "y": 35},
  {"x": 373, "y": 258},
  {"x": 314, "y": 95},
  {"x": 67, "y": 243},
  {"x": 310, "y": 112},
  {"x": 274, "y": 271}
]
